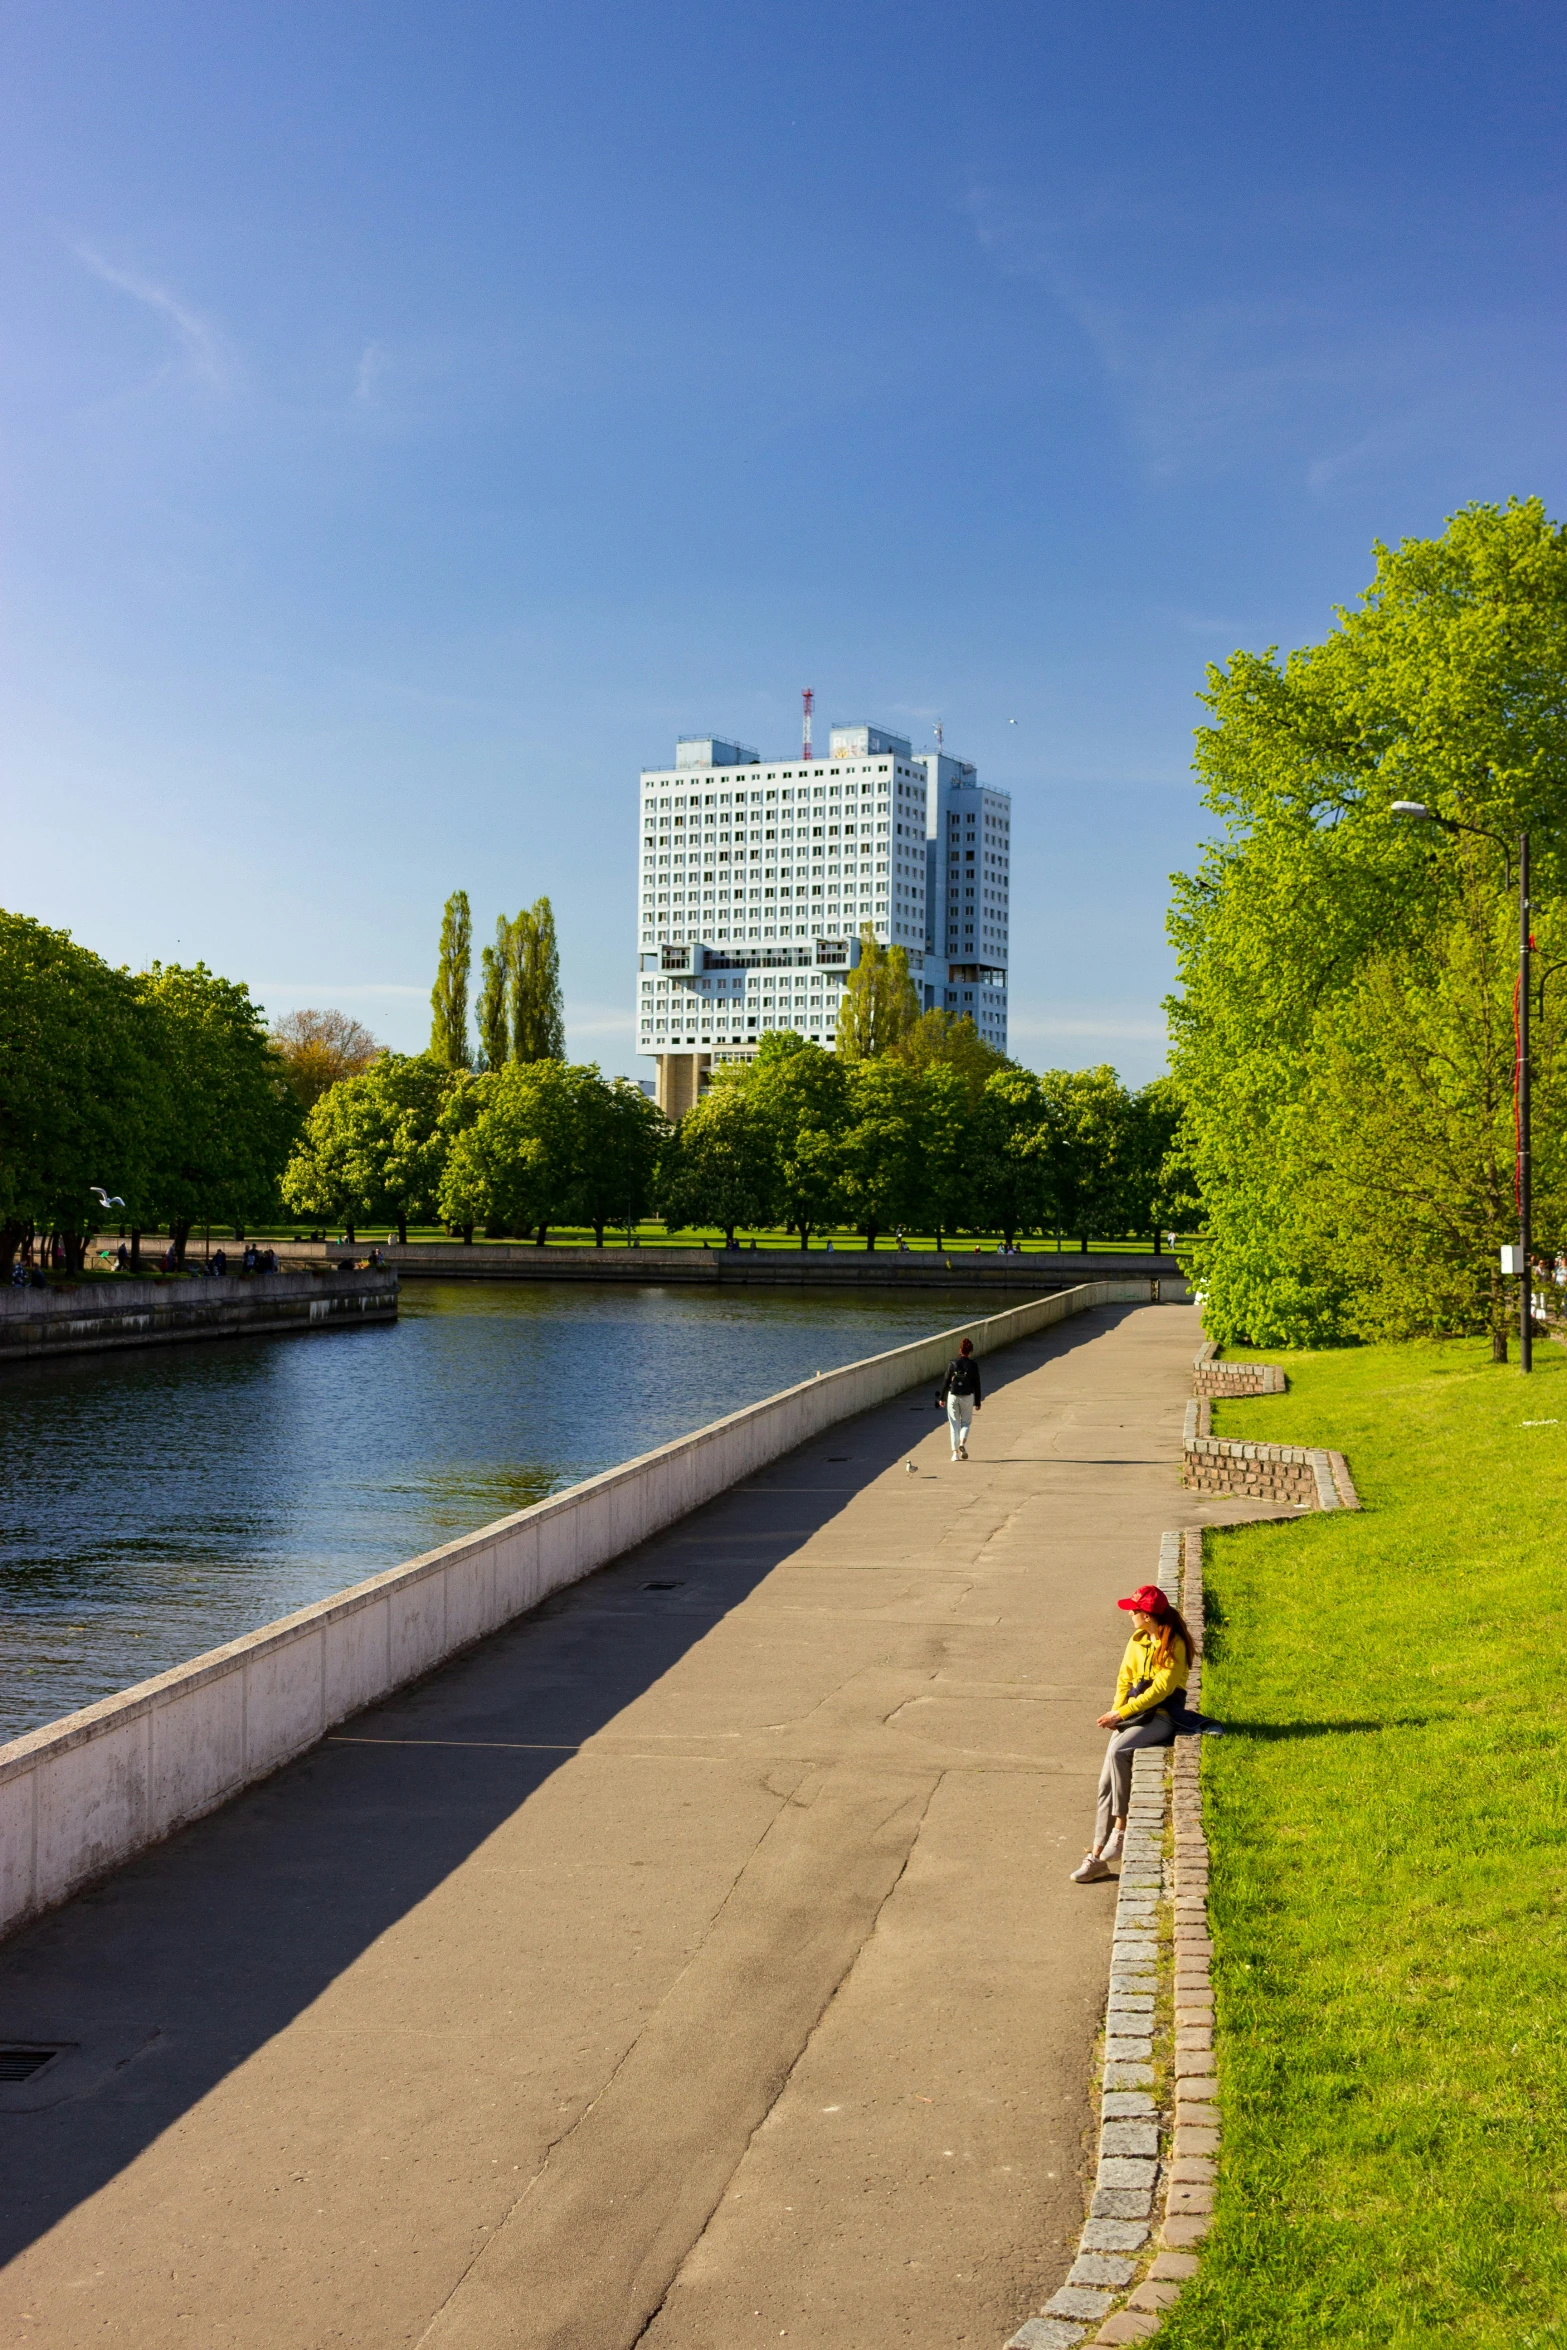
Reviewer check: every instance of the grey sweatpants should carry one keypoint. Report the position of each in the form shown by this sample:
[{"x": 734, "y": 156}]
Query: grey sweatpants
[{"x": 1115, "y": 1780}]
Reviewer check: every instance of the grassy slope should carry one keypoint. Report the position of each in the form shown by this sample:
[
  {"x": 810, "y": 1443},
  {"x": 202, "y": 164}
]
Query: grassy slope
[{"x": 1389, "y": 1818}]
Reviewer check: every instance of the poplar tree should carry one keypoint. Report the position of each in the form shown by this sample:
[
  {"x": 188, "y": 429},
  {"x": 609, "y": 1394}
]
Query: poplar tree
[
  {"x": 879, "y": 1004},
  {"x": 497, "y": 993},
  {"x": 539, "y": 1026},
  {"x": 449, "y": 996}
]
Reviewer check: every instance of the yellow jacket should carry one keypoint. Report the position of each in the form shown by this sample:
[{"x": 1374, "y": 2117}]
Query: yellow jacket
[{"x": 1143, "y": 1662}]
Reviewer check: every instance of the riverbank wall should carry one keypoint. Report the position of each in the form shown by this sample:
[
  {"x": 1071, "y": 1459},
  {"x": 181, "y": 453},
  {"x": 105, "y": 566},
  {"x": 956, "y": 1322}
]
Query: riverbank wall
[
  {"x": 844, "y": 1268},
  {"x": 82, "y": 1795},
  {"x": 40, "y": 1323}
]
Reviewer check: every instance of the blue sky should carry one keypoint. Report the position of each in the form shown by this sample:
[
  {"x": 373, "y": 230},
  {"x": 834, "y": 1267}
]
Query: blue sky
[{"x": 415, "y": 417}]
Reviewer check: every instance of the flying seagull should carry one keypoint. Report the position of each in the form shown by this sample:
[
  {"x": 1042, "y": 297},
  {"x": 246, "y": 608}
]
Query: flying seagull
[{"x": 103, "y": 1198}]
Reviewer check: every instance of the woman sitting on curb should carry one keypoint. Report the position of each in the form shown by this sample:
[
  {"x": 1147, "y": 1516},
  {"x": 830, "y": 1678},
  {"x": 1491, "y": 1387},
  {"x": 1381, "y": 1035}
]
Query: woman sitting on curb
[{"x": 1150, "y": 1692}]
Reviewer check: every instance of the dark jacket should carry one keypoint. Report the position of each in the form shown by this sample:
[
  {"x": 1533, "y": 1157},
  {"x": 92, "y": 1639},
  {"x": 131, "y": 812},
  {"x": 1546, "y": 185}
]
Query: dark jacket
[{"x": 962, "y": 1378}]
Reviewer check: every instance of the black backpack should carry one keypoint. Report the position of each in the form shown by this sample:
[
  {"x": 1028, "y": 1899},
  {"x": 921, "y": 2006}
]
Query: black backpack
[{"x": 961, "y": 1376}]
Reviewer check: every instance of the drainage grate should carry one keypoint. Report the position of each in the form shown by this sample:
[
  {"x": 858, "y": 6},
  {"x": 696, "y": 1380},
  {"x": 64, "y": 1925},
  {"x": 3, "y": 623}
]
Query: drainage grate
[
  {"x": 680, "y": 1586},
  {"x": 20, "y": 2064}
]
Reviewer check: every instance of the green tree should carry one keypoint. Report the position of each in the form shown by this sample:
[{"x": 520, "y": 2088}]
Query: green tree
[
  {"x": 229, "y": 1116},
  {"x": 497, "y": 990},
  {"x": 1087, "y": 1114},
  {"x": 949, "y": 1125},
  {"x": 514, "y": 1163},
  {"x": 720, "y": 1164},
  {"x": 880, "y": 1150},
  {"x": 324, "y": 1175},
  {"x": 81, "y": 1087},
  {"x": 1156, "y": 1192},
  {"x": 619, "y": 1136},
  {"x": 944, "y": 1040},
  {"x": 803, "y": 1090},
  {"x": 539, "y": 1032},
  {"x": 374, "y": 1147},
  {"x": 1012, "y": 1167},
  {"x": 1411, "y": 1106},
  {"x": 879, "y": 1005},
  {"x": 1445, "y": 684},
  {"x": 449, "y": 996}
]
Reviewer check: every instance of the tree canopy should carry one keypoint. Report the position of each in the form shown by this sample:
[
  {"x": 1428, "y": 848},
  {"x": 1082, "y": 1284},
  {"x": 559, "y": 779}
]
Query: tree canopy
[
  {"x": 162, "y": 1089},
  {"x": 1334, "y": 961},
  {"x": 373, "y": 1146},
  {"x": 319, "y": 1049},
  {"x": 803, "y": 1138},
  {"x": 449, "y": 996},
  {"x": 879, "y": 1005},
  {"x": 229, "y": 1112}
]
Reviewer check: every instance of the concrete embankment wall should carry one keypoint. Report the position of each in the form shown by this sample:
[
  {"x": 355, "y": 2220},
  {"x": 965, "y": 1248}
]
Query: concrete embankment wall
[
  {"x": 85, "y": 1793},
  {"x": 845, "y": 1268},
  {"x": 96, "y": 1314}
]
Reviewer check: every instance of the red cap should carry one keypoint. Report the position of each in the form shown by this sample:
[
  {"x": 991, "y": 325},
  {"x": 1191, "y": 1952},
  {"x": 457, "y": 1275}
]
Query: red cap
[{"x": 1150, "y": 1601}]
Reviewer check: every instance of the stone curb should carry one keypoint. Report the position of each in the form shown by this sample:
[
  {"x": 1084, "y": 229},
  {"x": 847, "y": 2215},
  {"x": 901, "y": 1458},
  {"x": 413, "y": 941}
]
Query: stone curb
[{"x": 1121, "y": 2280}]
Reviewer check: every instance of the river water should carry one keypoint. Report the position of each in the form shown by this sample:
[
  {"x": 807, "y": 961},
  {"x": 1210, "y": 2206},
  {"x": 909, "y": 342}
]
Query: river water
[{"x": 156, "y": 1503}]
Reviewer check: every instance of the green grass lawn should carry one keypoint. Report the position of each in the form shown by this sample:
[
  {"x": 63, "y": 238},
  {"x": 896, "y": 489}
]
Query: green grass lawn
[
  {"x": 1389, "y": 1823},
  {"x": 653, "y": 1235}
]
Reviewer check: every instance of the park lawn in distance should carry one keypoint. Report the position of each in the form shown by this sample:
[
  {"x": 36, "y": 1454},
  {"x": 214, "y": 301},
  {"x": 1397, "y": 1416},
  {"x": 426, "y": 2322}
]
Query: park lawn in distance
[
  {"x": 1388, "y": 1816},
  {"x": 653, "y": 1235}
]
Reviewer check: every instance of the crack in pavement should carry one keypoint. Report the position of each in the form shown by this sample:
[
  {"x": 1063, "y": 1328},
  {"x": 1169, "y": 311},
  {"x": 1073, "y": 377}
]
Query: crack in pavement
[
  {"x": 591, "y": 2246},
  {"x": 834, "y": 1993}
]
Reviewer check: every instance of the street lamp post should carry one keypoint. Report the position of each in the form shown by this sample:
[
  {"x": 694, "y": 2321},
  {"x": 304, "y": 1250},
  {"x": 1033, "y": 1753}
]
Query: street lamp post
[
  {"x": 1525, "y": 1090},
  {"x": 1418, "y": 812}
]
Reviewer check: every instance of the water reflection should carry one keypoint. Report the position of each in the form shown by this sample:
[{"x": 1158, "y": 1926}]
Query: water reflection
[{"x": 153, "y": 1505}]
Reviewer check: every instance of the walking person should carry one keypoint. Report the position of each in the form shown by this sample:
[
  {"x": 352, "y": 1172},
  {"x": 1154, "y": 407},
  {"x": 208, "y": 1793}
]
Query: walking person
[
  {"x": 961, "y": 1392},
  {"x": 1150, "y": 1696}
]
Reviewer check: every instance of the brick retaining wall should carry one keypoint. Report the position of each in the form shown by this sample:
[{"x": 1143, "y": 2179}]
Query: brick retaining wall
[
  {"x": 1265, "y": 1472},
  {"x": 1210, "y": 1376}
]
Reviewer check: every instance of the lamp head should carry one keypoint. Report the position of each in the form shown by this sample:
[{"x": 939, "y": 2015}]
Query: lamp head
[{"x": 1415, "y": 808}]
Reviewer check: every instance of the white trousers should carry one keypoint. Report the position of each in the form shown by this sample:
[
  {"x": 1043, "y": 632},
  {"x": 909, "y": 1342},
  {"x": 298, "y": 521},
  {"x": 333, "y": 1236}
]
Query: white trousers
[{"x": 960, "y": 1419}]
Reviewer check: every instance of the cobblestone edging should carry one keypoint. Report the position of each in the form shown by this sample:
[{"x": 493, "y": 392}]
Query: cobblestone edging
[{"x": 1158, "y": 2133}]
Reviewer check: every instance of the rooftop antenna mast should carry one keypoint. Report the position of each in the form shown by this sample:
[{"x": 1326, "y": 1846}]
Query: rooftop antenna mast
[
  {"x": 808, "y": 701},
  {"x": 940, "y": 738}
]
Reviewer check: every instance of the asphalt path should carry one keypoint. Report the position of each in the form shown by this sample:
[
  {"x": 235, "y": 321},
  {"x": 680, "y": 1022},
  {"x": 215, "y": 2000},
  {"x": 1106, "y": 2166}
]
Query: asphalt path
[{"x": 692, "y": 1965}]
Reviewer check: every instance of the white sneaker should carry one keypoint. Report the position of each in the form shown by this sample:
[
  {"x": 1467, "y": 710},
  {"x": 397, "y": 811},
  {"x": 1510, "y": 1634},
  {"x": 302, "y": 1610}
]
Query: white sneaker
[
  {"x": 1112, "y": 1851},
  {"x": 1091, "y": 1870}
]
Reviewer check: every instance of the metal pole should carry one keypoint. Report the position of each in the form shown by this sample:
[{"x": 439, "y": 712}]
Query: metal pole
[{"x": 1525, "y": 1199}]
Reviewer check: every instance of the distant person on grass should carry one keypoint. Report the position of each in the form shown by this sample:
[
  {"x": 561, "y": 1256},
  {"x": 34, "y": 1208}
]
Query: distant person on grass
[
  {"x": 960, "y": 1391},
  {"x": 1150, "y": 1692}
]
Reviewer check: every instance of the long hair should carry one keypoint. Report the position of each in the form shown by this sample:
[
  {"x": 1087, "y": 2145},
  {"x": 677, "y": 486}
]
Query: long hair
[{"x": 1171, "y": 1620}]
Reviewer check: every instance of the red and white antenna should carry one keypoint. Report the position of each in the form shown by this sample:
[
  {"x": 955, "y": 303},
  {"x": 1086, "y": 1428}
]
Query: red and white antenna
[{"x": 808, "y": 701}]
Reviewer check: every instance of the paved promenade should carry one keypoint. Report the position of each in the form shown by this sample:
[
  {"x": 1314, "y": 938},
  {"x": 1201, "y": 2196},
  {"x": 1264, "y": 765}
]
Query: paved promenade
[{"x": 693, "y": 1965}]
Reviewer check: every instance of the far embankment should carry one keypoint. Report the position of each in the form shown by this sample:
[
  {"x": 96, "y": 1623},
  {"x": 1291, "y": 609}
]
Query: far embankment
[
  {"x": 88, "y": 1316},
  {"x": 847, "y": 1265}
]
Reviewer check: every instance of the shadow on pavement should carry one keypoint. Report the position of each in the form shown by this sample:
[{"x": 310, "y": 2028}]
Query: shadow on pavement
[{"x": 175, "y": 1969}]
